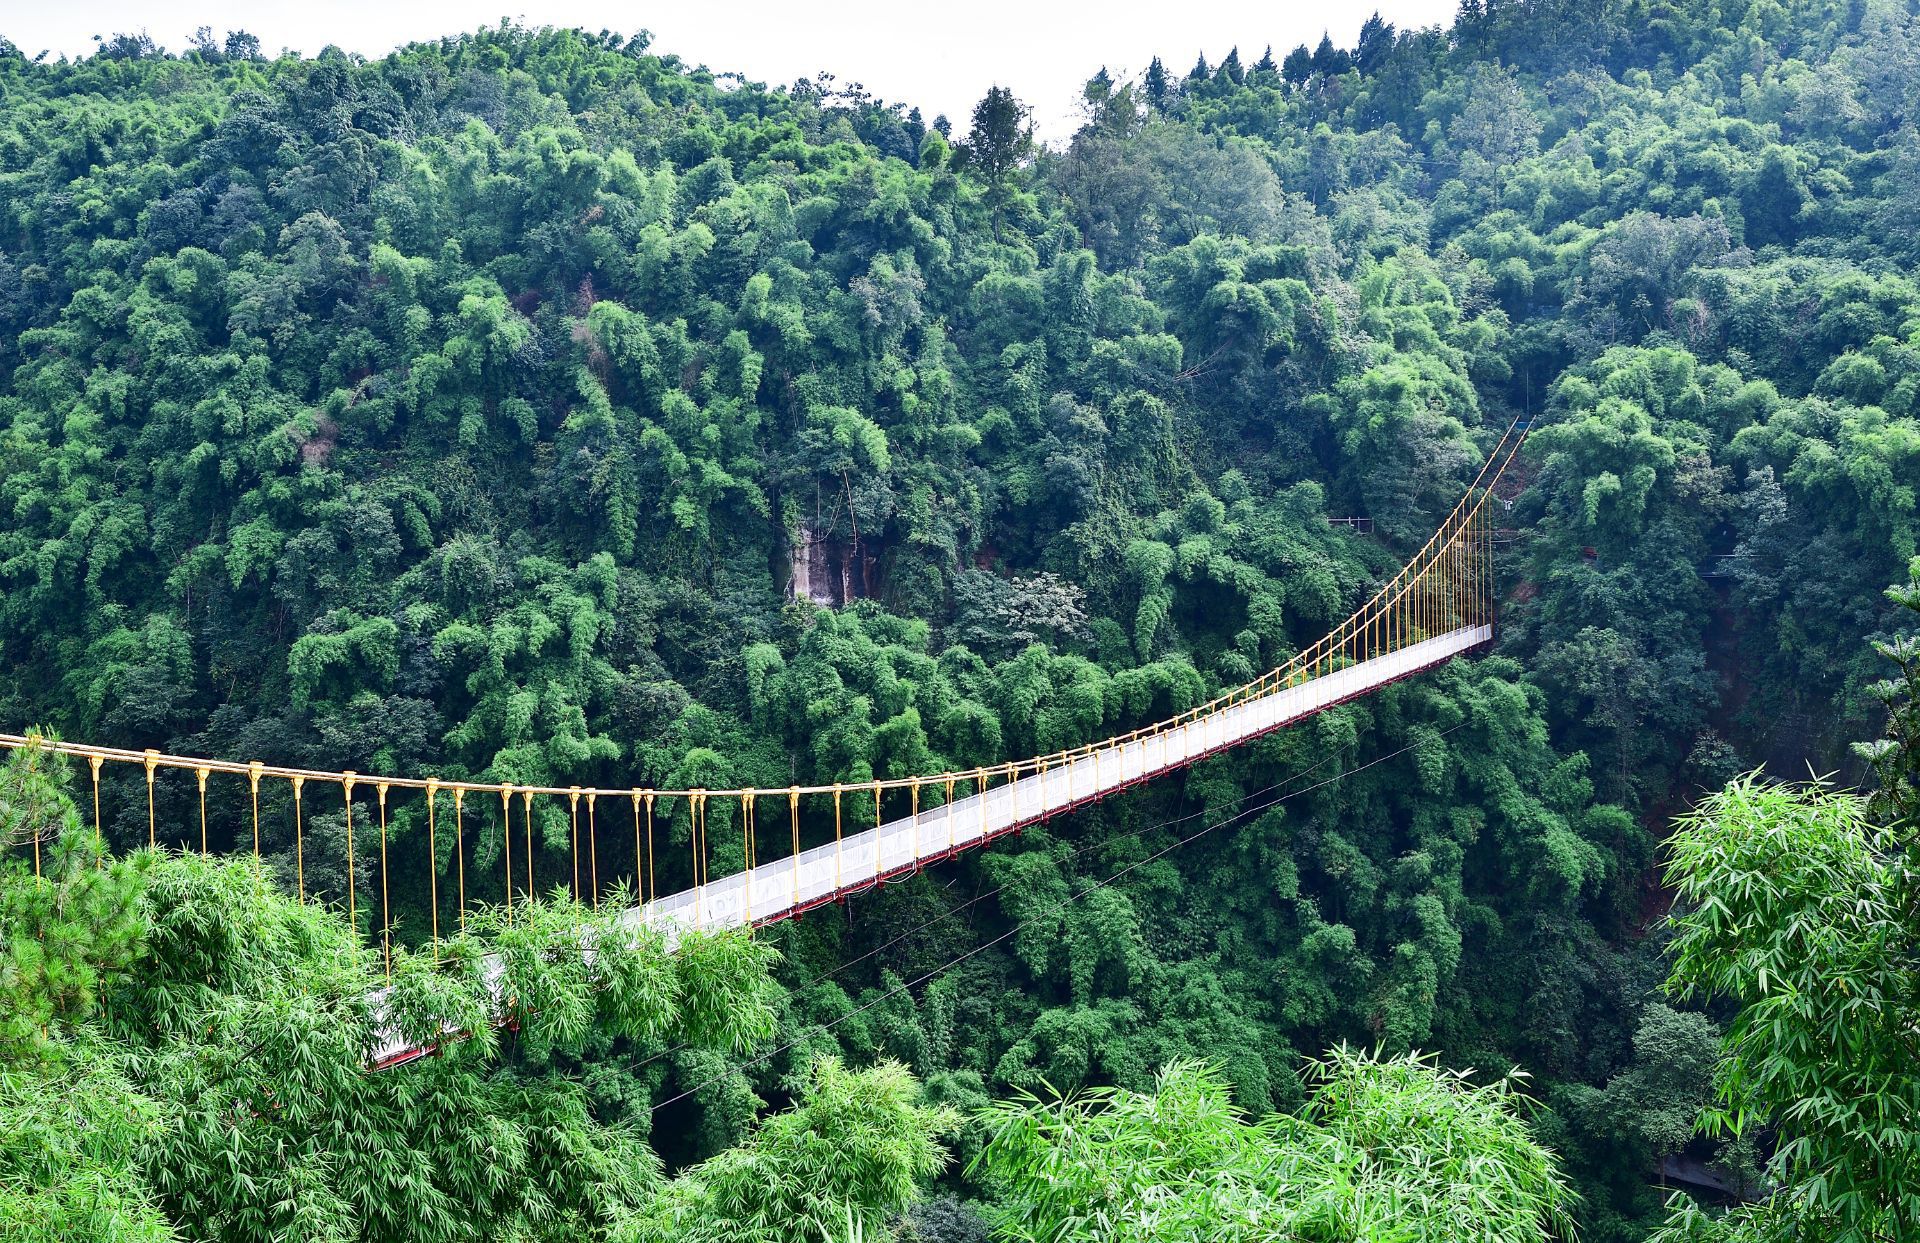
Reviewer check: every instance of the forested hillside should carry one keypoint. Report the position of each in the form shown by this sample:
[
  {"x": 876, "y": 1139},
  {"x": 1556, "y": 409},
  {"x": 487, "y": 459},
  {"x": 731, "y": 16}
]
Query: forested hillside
[{"x": 529, "y": 407}]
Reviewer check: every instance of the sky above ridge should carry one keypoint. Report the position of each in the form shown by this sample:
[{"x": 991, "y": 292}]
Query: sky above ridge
[{"x": 940, "y": 58}]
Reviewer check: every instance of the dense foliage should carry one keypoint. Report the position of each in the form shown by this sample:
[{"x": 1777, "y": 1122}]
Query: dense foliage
[
  {"x": 1394, "y": 1150},
  {"x": 529, "y": 407}
]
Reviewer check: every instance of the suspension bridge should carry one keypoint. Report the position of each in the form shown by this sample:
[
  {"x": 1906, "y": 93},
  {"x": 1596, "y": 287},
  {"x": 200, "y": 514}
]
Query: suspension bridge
[{"x": 1439, "y": 605}]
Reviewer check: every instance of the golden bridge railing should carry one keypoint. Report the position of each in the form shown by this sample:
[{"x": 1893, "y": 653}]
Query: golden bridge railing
[{"x": 1447, "y": 585}]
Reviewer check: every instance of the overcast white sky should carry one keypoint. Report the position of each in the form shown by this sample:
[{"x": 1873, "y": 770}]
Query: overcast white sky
[{"x": 941, "y": 58}]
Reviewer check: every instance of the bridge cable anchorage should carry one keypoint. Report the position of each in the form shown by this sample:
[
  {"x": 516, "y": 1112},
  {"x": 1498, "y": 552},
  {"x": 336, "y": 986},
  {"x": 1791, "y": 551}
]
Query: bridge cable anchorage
[
  {"x": 1440, "y": 603},
  {"x": 1055, "y": 909}
]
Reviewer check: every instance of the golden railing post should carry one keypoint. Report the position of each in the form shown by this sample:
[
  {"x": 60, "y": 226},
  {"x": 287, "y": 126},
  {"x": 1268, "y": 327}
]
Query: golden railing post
[
  {"x": 573, "y": 823},
  {"x": 837, "y": 842},
  {"x": 99, "y": 834},
  {"x": 793, "y": 813},
  {"x": 694, "y": 815},
  {"x": 200, "y": 775},
  {"x": 1479, "y": 564},
  {"x": 1473, "y": 568},
  {"x": 526, "y": 821},
  {"x": 386, "y": 909},
  {"x": 639, "y": 876},
  {"x": 253, "y": 786},
  {"x": 506, "y": 842},
  {"x": 346, "y": 787},
  {"x": 980, "y": 788},
  {"x": 1492, "y": 577},
  {"x": 460, "y": 849},
  {"x": 153, "y": 839},
  {"x": 593, "y": 851},
  {"x": 433, "y": 867},
  {"x": 747, "y": 845},
  {"x": 299, "y": 846},
  {"x": 913, "y": 809},
  {"x": 950, "y": 814},
  {"x": 652, "y": 891}
]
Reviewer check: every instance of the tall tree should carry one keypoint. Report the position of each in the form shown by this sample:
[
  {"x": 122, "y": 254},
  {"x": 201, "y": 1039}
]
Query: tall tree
[
  {"x": 1376, "y": 40},
  {"x": 1231, "y": 69},
  {"x": 1156, "y": 85},
  {"x": 1001, "y": 136},
  {"x": 1328, "y": 60},
  {"x": 1298, "y": 66}
]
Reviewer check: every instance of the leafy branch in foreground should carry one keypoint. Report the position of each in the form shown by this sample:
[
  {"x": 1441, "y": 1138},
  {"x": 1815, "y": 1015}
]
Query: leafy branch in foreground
[
  {"x": 852, "y": 1153},
  {"x": 1394, "y": 1148},
  {"x": 65, "y": 923},
  {"x": 1795, "y": 903}
]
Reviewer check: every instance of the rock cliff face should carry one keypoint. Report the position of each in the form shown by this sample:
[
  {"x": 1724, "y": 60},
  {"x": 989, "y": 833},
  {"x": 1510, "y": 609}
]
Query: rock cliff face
[{"x": 829, "y": 571}]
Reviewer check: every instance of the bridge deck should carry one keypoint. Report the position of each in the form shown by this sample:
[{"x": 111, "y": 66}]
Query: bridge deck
[{"x": 769, "y": 892}]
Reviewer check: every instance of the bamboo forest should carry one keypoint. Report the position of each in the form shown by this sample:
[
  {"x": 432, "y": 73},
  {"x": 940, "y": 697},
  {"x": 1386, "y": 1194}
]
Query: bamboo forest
[{"x": 593, "y": 649}]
